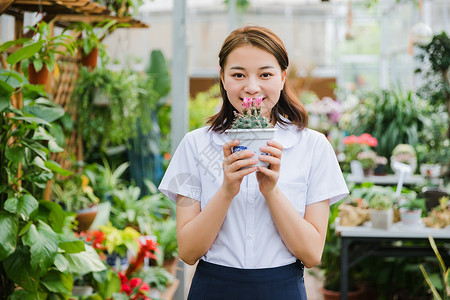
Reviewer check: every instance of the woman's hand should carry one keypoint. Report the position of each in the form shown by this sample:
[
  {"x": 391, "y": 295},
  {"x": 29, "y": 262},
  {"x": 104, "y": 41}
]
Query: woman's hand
[
  {"x": 232, "y": 164},
  {"x": 268, "y": 177}
]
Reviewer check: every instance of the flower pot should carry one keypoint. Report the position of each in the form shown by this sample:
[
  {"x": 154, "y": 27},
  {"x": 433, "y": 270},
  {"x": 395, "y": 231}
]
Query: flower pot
[
  {"x": 252, "y": 139},
  {"x": 101, "y": 98},
  {"x": 380, "y": 170},
  {"x": 171, "y": 265},
  {"x": 90, "y": 59},
  {"x": 37, "y": 77},
  {"x": 368, "y": 172},
  {"x": 382, "y": 219},
  {"x": 410, "y": 217},
  {"x": 335, "y": 295},
  {"x": 86, "y": 217}
]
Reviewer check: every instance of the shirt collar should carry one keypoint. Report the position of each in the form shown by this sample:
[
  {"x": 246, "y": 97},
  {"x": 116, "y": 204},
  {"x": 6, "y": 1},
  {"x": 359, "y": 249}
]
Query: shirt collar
[{"x": 288, "y": 135}]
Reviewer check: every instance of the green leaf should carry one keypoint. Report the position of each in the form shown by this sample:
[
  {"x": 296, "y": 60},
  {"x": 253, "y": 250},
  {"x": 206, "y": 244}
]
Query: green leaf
[
  {"x": 61, "y": 263},
  {"x": 37, "y": 64},
  {"x": 12, "y": 78},
  {"x": 43, "y": 243},
  {"x": 27, "y": 205},
  {"x": 8, "y": 44},
  {"x": 38, "y": 161},
  {"x": 56, "y": 168},
  {"x": 72, "y": 246},
  {"x": 14, "y": 154},
  {"x": 25, "y": 228},
  {"x": 84, "y": 262},
  {"x": 6, "y": 88},
  {"x": 32, "y": 120},
  {"x": 23, "y": 295},
  {"x": 41, "y": 134},
  {"x": 45, "y": 112},
  {"x": 159, "y": 69},
  {"x": 107, "y": 282},
  {"x": 18, "y": 268},
  {"x": 5, "y": 100},
  {"x": 53, "y": 213},
  {"x": 58, "y": 282},
  {"x": 54, "y": 147},
  {"x": 24, "y": 52},
  {"x": 9, "y": 226},
  {"x": 11, "y": 205}
]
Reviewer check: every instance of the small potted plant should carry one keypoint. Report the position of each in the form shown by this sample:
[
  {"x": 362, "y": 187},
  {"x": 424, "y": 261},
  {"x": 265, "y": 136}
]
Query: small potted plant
[
  {"x": 43, "y": 61},
  {"x": 75, "y": 195},
  {"x": 381, "y": 212},
  {"x": 380, "y": 166},
  {"x": 367, "y": 159},
  {"x": 90, "y": 42},
  {"x": 251, "y": 129},
  {"x": 411, "y": 209},
  {"x": 405, "y": 154}
]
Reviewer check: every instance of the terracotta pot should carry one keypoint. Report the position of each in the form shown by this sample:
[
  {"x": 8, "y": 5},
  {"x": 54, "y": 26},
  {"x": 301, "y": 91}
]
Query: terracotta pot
[
  {"x": 37, "y": 77},
  {"x": 171, "y": 265},
  {"x": 334, "y": 295},
  {"x": 90, "y": 59},
  {"x": 85, "y": 218}
]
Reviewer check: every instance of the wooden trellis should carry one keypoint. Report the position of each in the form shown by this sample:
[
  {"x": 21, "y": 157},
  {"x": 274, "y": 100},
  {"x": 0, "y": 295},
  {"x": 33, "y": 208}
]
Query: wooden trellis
[{"x": 62, "y": 13}]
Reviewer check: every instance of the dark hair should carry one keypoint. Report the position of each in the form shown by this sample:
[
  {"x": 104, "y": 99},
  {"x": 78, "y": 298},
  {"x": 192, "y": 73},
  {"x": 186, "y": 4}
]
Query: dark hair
[{"x": 287, "y": 106}]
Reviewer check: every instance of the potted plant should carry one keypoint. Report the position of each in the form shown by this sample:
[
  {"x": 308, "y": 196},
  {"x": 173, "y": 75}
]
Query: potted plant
[
  {"x": 251, "y": 129},
  {"x": 43, "y": 61},
  {"x": 166, "y": 233},
  {"x": 367, "y": 159},
  {"x": 380, "y": 166},
  {"x": 404, "y": 153},
  {"x": 90, "y": 41},
  {"x": 381, "y": 213},
  {"x": 117, "y": 243},
  {"x": 75, "y": 195},
  {"x": 411, "y": 209}
]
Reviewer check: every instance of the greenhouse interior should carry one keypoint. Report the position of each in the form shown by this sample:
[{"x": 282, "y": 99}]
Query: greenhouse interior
[{"x": 82, "y": 213}]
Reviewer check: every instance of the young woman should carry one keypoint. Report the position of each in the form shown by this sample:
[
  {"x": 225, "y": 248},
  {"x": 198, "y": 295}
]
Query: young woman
[{"x": 252, "y": 230}]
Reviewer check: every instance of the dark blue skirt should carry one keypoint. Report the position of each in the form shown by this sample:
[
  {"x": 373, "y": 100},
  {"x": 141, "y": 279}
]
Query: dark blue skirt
[{"x": 216, "y": 282}]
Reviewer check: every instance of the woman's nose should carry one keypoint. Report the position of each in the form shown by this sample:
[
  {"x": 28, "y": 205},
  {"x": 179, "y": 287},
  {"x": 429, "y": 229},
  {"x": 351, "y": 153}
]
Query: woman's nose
[{"x": 251, "y": 86}]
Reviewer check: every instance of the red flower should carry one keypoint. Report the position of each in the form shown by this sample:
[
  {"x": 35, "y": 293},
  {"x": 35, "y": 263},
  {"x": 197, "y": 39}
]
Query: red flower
[
  {"x": 352, "y": 139},
  {"x": 167, "y": 156}
]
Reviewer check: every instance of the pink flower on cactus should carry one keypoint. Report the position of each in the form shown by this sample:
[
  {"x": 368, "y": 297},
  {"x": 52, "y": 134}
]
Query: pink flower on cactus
[
  {"x": 258, "y": 102},
  {"x": 247, "y": 103}
]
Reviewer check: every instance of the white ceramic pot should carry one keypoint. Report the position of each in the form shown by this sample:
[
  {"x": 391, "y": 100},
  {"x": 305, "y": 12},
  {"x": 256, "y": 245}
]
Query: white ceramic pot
[
  {"x": 382, "y": 219},
  {"x": 252, "y": 139},
  {"x": 410, "y": 217}
]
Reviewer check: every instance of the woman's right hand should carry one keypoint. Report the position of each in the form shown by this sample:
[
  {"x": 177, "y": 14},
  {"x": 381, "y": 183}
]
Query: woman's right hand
[{"x": 232, "y": 164}]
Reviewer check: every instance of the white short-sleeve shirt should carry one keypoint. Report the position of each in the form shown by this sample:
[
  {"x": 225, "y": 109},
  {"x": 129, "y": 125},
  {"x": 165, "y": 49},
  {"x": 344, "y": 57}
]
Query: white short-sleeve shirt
[{"x": 248, "y": 237}]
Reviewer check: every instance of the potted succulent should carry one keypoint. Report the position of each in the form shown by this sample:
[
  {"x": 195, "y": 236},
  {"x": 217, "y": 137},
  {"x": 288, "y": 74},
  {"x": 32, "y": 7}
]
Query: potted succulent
[
  {"x": 381, "y": 212},
  {"x": 411, "y": 209},
  {"x": 251, "y": 129},
  {"x": 90, "y": 42},
  {"x": 404, "y": 153},
  {"x": 43, "y": 61}
]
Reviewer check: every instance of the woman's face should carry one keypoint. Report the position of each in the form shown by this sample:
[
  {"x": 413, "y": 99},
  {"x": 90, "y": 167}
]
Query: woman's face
[{"x": 252, "y": 72}]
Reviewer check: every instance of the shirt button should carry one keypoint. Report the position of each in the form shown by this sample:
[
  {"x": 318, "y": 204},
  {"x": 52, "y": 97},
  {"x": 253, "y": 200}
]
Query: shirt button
[
  {"x": 251, "y": 200},
  {"x": 250, "y": 237}
]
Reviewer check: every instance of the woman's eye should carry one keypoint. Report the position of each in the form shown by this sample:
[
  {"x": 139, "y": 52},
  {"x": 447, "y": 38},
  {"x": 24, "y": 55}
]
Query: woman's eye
[
  {"x": 266, "y": 75},
  {"x": 238, "y": 75}
]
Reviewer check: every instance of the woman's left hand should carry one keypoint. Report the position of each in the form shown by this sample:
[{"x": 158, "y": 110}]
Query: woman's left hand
[{"x": 268, "y": 177}]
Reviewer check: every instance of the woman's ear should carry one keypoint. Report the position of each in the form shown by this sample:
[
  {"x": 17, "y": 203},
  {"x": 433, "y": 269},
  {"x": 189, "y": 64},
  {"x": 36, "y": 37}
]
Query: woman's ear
[
  {"x": 221, "y": 77},
  {"x": 283, "y": 78}
]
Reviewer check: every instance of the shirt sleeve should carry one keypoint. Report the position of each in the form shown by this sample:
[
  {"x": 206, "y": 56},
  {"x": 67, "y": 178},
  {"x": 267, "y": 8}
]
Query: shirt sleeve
[
  {"x": 325, "y": 179},
  {"x": 182, "y": 175}
]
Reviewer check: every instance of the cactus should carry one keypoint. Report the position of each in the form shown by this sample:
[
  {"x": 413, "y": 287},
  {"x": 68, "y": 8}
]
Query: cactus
[{"x": 251, "y": 116}]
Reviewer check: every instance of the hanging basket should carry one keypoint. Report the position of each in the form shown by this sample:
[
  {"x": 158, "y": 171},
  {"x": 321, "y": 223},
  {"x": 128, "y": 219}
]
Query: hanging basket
[
  {"x": 37, "y": 77},
  {"x": 90, "y": 59}
]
